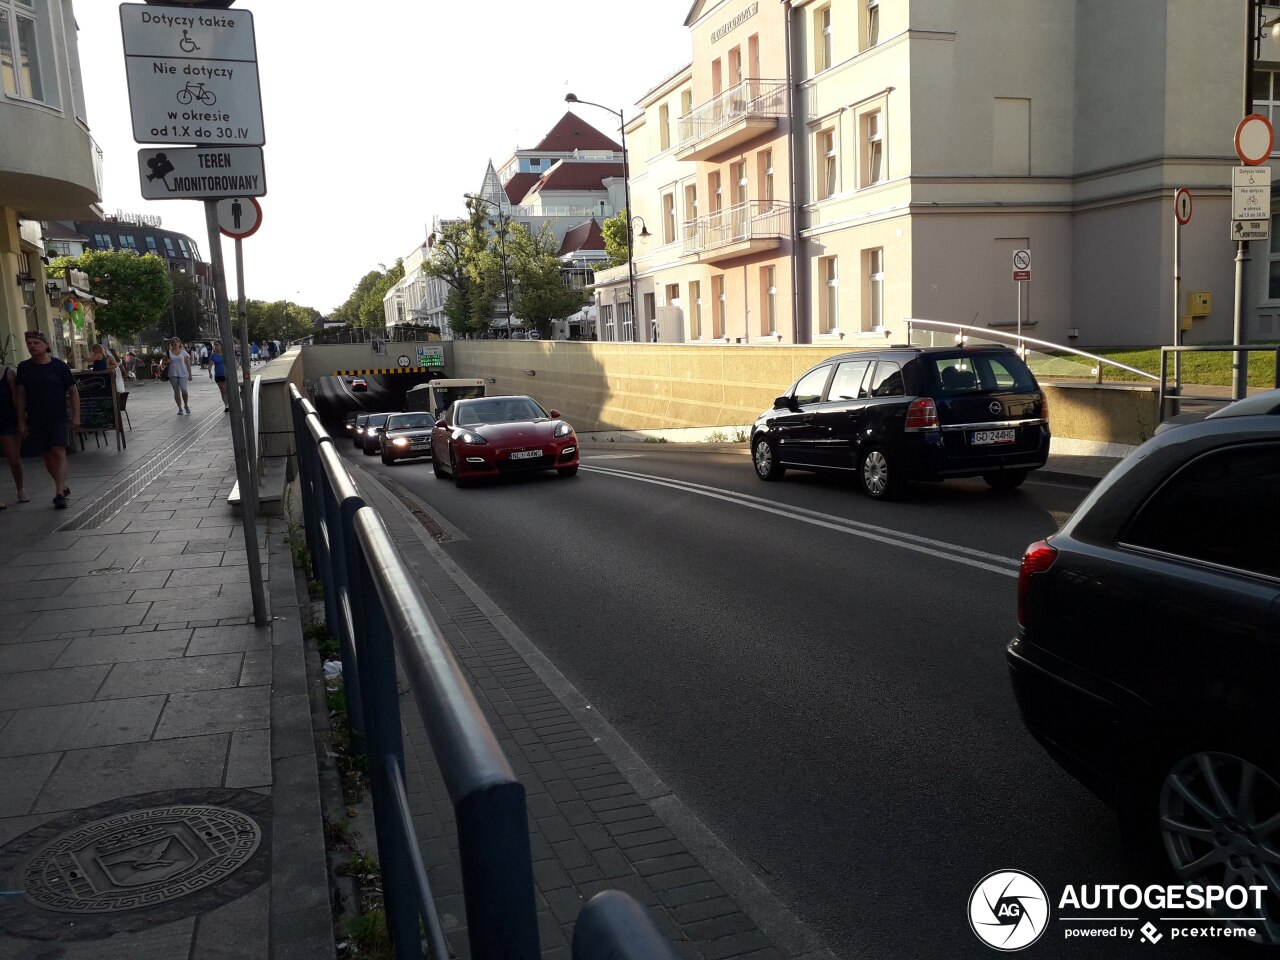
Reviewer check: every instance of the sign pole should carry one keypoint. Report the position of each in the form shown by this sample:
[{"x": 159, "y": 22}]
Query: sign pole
[
  {"x": 1177, "y": 293},
  {"x": 1239, "y": 370},
  {"x": 246, "y": 382},
  {"x": 1018, "y": 287},
  {"x": 248, "y": 517}
]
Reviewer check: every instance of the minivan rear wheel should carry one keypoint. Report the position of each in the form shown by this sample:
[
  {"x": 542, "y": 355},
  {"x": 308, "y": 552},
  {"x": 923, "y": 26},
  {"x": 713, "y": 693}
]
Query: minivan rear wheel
[
  {"x": 765, "y": 459},
  {"x": 1005, "y": 479},
  {"x": 878, "y": 477}
]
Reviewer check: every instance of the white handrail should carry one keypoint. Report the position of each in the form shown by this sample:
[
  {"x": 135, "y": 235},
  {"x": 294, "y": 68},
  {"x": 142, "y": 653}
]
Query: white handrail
[{"x": 969, "y": 329}]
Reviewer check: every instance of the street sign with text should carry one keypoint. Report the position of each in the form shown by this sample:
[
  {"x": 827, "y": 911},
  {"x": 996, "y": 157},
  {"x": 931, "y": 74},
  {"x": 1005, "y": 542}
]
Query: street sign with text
[
  {"x": 201, "y": 173},
  {"x": 1021, "y": 265},
  {"x": 1250, "y": 193},
  {"x": 193, "y": 75},
  {"x": 1250, "y": 229}
]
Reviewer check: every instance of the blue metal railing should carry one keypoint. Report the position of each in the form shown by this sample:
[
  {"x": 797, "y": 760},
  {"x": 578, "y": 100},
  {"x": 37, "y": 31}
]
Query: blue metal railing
[{"x": 374, "y": 607}]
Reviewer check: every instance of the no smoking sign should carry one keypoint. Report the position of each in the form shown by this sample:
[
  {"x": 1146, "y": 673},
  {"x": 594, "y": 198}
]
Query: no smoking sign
[{"x": 1021, "y": 265}]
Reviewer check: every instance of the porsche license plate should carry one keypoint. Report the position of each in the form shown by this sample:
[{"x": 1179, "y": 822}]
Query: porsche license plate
[
  {"x": 525, "y": 454},
  {"x": 981, "y": 438}
]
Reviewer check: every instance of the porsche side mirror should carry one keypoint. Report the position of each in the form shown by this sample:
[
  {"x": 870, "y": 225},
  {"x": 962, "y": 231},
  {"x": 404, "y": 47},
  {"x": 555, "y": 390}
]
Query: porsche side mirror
[
  {"x": 554, "y": 414},
  {"x": 441, "y": 423}
]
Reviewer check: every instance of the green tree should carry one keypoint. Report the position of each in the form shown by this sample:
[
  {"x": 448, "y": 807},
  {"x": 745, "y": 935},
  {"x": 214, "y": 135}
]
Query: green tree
[
  {"x": 279, "y": 320},
  {"x": 614, "y": 231},
  {"x": 349, "y": 311},
  {"x": 137, "y": 288},
  {"x": 460, "y": 257},
  {"x": 371, "y": 312},
  {"x": 541, "y": 293}
]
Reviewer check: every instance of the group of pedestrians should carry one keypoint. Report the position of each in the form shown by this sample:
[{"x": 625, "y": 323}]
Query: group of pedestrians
[
  {"x": 176, "y": 367},
  {"x": 39, "y": 404}
]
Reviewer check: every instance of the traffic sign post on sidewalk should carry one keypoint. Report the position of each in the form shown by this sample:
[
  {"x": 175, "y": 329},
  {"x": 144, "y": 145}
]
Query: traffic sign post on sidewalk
[
  {"x": 1254, "y": 141},
  {"x": 1181, "y": 217},
  {"x": 1021, "y": 275}
]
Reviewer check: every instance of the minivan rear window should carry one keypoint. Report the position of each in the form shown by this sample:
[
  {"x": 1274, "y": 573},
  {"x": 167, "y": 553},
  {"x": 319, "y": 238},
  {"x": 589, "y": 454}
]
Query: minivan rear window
[{"x": 980, "y": 373}]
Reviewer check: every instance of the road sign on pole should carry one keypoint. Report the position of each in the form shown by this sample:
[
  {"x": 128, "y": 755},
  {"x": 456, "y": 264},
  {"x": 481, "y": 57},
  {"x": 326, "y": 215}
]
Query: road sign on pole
[
  {"x": 201, "y": 173},
  {"x": 1254, "y": 139},
  {"x": 1021, "y": 265},
  {"x": 239, "y": 217},
  {"x": 1182, "y": 206},
  {"x": 193, "y": 75}
]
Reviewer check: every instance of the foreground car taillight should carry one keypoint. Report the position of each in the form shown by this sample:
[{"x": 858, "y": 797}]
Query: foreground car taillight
[
  {"x": 922, "y": 415},
  {"x": 1044, "y": 407},
  {"x": 1038, "y": 558}
]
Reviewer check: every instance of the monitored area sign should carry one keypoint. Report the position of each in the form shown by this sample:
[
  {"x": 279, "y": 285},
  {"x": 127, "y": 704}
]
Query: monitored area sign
[
  {"x": 1250, "y": 229},
  {"x": 201, "y": 173},
  {"x": 193, "y": 75}
]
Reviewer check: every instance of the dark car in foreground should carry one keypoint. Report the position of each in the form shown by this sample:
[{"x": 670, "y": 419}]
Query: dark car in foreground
[
  {"x": 357, "y": 430},
  {"x": 904, "y": 413},
  {"x": 492, "y": 436},
  {"x": 406, "y": 435},
  {"x": 371, "y": 437},
  {"x": 349, "y": 423},
  {"x": 1147, "y": 653}
]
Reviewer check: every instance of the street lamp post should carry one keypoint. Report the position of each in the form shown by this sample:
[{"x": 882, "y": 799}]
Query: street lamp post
[
  {"x": 626, "y": 194},
  {"x": 504, "y": 220}
]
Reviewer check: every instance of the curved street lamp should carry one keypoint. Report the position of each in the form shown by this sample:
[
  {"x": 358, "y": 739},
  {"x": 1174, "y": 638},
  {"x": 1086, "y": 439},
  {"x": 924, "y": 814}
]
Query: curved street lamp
[{"x": 626, "y": 193}]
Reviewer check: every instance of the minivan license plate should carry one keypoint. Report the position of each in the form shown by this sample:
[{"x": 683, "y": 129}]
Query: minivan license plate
[
  {"x": 984, "y": 437},
  {"x": 525, "y": 454}
]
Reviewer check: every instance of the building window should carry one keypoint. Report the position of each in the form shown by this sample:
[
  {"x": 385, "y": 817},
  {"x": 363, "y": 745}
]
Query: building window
[
  {"x": 717, "y": 308},
  {"x": 102, "y": 241},
  {"x": 690, "y": 211},
  {"x": 606, "y": 321},
  {"x": 151, "y": 245},
  {"x": 672, "y": 294},
  {"x": 828, "y": 163},
  {"x": 168, "y": 249},
  {"x": 695, "y": 310},
  {"x": 713, "y": 187},
  {"x": 765, "y": 178},
  {"x": 768, "y": 301},
  {"x": 686, "y": 102},
  {"x": 873, "y": 300},
  {"x": 873, "y": 140},
  {"x": 668, "y": 218},
  {"x": 626, "y": 312},
  {"x": 664, "y": 127},
  {"x": 1266, "y": 94},
  {"x": 872, "y": 33},
  {"x": 57, "y": 248},
  {"x": 829, "y": 295},
  {"x": 127, "y": 242},
  {"x": 26, "y": 51},
  {"x": 822, "y": 39}
]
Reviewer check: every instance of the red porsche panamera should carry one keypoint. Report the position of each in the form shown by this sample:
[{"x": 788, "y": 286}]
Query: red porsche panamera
[{"x": 492, "y": 436}]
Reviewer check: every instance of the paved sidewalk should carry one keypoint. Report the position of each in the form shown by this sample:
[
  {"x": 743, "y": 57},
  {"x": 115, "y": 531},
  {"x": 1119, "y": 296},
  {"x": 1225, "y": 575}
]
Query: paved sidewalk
[{"x": 154, "y": 744}]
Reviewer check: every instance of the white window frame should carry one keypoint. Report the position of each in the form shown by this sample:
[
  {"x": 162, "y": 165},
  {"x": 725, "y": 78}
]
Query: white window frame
[
  {"x": 873, "y": 171},
  {"x": 606, "y": 317},
  {"x": 827, "y": 173},
  {"x": 13, "y": 14},
  {"x": 871, "y": 36},
  {"x": 873, "y": 302},
  {"x": 823, "y": 51},
  {"x": 769, "y": 297},
  {"x": 829, "y": 302},
  {"x": 717, "y": 308},
  {"x": 668, "y": 202},
  {"x": 627, "y": 312},
  {"x": 695, "y": 309}
]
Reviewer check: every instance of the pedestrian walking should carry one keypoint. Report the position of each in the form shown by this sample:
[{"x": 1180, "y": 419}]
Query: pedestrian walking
[
  {"x": 10, "y": 442},
  {"x": 253, "y": 353},
  {"x": 45, "y": 385},
  {"x": 178, "y": 365},
  {"x": 218, "y": 371},
  {"x": 204, "y": 355}
]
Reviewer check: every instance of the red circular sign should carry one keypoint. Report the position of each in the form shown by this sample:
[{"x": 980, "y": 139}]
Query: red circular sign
[
  {"x": 1254, "y": 139},
  {"x": 1182, "y": 205}
]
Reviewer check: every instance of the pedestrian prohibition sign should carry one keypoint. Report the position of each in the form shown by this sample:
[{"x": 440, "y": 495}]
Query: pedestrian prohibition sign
[
  {"x": 239, "y": 217},
  {"x": 1182, "y": 206}
]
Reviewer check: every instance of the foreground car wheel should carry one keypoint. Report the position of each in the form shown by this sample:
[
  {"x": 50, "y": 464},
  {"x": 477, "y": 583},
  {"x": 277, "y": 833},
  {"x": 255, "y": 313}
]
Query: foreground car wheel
[
  {"x": 765, "y": 461},
  {"x": 458, "y": 481},
  {"x": 1219, "y": 820},
  {"x": 435, "y": 467},
  {"x": 1005, "y": 479},
  {"x": 387, "y": 460},
  {"x": 880, "y": 480}
]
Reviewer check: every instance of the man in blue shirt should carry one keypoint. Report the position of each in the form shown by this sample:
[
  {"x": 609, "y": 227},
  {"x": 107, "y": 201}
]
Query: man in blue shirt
[{"x": 45, "y": 385}]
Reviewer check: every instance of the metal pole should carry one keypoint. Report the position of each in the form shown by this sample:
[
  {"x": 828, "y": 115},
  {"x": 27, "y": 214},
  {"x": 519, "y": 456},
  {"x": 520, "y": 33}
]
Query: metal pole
[
  {"x": 626, "y": 195},
  {"x": 1018, "y": 287},
  {"x": 1239, "y": 360},
  {"x": 248, "y": 517},
  {"x": 246, "y": 385},
  {"x": 1177, "y": 294}
]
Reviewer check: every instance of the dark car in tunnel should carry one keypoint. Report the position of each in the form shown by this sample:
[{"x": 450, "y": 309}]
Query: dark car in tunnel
[
  {"x": 371, "y": 437},
  {"x": 405, "y": 436}
]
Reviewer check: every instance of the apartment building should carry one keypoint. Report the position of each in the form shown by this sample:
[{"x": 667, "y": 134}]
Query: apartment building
[
  {"x": 825, "y": 169},
  {"x": 50, "y": 168}
]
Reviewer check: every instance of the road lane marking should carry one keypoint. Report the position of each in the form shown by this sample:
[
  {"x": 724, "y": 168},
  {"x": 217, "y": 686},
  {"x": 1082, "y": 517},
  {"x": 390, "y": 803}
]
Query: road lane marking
[{"x": 953, "y": 552}]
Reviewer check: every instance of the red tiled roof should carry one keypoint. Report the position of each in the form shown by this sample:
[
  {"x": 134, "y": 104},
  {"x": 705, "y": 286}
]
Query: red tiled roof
[
  {"x": 585, "y": 236},
  {"x": 573, "y": 133},
  {"x": 519, "y": 185},
  {"x": 570, "y": 175}
]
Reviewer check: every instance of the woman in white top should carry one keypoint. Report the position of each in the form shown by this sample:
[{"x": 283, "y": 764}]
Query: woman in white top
[{"x": 178, "y": 366}]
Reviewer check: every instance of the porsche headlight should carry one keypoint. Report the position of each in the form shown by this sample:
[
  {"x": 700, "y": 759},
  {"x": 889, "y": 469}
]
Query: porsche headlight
[
  {"x": 474, "y": 439},
  {"x": 563, "y": 430}
]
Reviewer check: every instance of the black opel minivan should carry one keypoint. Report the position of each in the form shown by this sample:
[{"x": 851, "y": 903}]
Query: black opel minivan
[{"x": 901, "y": 413}]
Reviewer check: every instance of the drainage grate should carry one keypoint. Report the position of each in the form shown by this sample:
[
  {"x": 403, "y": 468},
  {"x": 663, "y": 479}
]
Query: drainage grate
[
  {"x": 104, "y": 508},
  {"x": 89, "y": 874}
]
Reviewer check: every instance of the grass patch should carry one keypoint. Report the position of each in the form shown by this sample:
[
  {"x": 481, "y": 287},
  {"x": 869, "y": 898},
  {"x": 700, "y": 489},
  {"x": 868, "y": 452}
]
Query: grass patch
[{"x": 1205, "y": 369}]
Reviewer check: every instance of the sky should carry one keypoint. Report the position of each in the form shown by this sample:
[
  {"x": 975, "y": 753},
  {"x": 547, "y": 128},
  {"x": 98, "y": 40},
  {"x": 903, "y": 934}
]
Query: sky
[{"x": 381, "y": 114}]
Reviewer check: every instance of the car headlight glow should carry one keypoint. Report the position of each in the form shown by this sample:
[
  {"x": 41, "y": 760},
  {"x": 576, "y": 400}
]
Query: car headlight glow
[
  {"x": 562, "y": 430},
  {"x": 400, "y": 442},
  {"x": 472, "y": 438}
]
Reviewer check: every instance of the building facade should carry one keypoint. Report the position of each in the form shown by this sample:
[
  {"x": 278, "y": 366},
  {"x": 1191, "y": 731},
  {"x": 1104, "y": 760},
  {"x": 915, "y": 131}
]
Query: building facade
[
  {"x": 50, "y": 168},
  {"x": 826, "y": 169}
]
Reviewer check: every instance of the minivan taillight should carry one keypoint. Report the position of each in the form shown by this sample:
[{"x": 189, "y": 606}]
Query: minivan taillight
[
  {"x": 1044, "y": 406},
  {"x": 1038, "y": 558},
  {"x": 922, "y": 415}
]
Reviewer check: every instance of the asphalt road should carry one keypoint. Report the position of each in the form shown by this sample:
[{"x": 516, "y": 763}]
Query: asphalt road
[{"x": 819, "y": 677}]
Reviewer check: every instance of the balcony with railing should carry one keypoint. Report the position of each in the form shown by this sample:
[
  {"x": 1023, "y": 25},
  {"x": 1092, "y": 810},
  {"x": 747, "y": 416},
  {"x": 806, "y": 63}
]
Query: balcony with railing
[
  {"x": 737, "y": 231},
  {"x": 741, "y": 113}
]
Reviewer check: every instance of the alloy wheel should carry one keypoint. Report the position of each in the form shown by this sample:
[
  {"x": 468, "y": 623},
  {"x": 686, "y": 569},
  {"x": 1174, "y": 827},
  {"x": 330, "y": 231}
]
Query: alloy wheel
[
  {"x": 764, "y": 458},
  {"x": 1220, "y": 823},
  {"x": 875, "y": 473}
]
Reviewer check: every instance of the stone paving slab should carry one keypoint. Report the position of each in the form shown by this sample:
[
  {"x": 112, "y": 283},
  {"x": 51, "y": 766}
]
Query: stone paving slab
[{"x": 129, "y": 666}]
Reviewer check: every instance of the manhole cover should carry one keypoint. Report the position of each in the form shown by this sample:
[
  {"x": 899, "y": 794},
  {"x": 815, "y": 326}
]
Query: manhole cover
[{"x": 135, "y": 862}]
